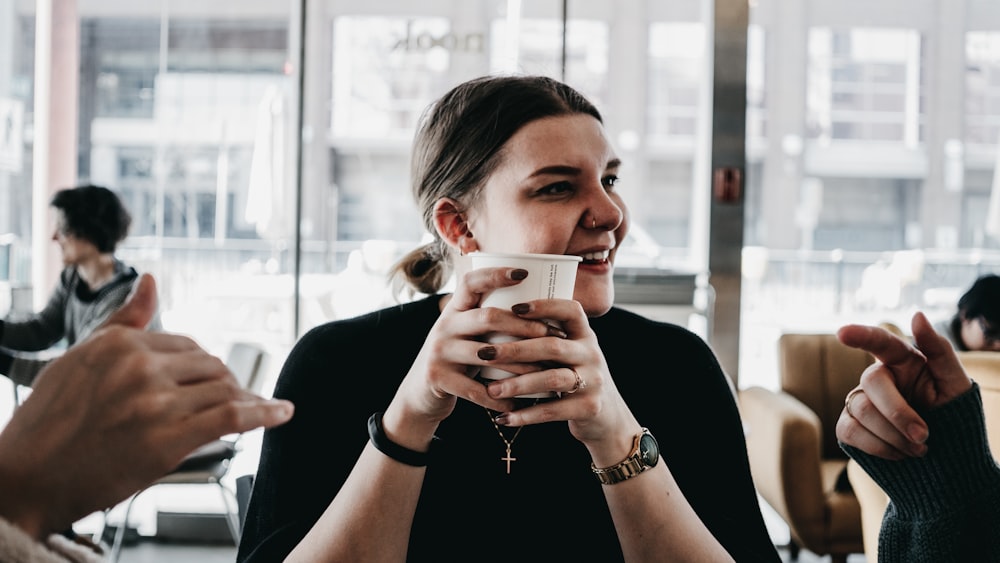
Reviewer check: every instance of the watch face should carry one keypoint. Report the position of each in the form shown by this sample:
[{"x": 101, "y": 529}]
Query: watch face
[{"x": 649, "y": 450}]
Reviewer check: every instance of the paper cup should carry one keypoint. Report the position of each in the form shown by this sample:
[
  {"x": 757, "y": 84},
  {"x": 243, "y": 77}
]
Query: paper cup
[{"x": 550, "y": 276}]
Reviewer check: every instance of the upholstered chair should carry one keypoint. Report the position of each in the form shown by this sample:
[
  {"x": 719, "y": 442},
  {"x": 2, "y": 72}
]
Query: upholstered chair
[{"x": 797, "y": 465}]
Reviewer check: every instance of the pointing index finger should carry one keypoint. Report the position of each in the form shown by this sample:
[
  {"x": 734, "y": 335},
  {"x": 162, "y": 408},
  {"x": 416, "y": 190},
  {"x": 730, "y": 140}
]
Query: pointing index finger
[{"x": 885, "y": 346}]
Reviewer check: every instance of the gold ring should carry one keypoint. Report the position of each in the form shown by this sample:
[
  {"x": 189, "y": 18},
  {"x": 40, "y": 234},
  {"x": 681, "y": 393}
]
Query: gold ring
[
  {"x": 579, "y": 384},
  {"x": 847, "y": 400}
]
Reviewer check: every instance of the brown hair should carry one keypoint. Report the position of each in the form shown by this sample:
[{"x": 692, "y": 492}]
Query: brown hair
[{"x": 458, "y": 145}]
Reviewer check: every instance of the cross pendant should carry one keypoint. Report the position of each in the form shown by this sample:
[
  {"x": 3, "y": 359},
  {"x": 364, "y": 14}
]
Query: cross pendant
[{"x": 508, "y": 459}]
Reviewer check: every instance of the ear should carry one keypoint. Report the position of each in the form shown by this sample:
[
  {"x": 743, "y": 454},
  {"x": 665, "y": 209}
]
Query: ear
[{"x": 451, "y": 225}]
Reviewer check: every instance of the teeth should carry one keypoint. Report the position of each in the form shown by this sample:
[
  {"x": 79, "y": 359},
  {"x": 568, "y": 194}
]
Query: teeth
[{"x": 596, "y": 255}]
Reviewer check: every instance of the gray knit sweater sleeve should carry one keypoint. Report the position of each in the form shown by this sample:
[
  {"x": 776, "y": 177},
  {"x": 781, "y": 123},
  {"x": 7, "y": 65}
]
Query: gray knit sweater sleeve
[
  {"x": 43, "y": 329},
  {"x": 945, "y": 507}
]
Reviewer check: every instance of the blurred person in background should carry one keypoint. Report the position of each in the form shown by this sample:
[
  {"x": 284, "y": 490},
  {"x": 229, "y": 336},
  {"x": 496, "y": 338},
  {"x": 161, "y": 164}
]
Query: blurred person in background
[
  {"x": 90, "y": 221},
  {"x": 976, "y": 324}
]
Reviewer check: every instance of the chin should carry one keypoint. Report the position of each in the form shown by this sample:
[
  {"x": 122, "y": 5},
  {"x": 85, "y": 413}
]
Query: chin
[{"x": 596, "y": 303}]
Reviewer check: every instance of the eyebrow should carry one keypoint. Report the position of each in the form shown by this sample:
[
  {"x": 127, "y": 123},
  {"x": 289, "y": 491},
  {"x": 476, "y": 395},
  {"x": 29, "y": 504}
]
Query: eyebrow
[{"x": 569, "y": 170}]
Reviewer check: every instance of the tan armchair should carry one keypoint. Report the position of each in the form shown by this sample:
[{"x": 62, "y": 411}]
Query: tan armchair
[
  {"x": 792, "y": 444},
  {"x": 984, "y": 368}
]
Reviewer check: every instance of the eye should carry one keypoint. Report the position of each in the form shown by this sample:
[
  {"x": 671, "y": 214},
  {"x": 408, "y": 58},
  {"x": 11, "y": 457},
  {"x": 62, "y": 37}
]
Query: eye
[
  {"x": 610, "y": 181},
  {"x": 556, "y": 188}
]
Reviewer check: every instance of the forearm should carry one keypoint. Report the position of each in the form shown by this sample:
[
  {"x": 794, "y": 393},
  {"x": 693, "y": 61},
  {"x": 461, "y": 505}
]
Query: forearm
[
  {"x": 655, "y": 522},
  {"x": 40, "y": 330},
  {"x": 21, "y": 503},
  {"x": 653, "y": 519},
  {"x": 370, "y": 518},
  {"x": 945, "y": 496}
]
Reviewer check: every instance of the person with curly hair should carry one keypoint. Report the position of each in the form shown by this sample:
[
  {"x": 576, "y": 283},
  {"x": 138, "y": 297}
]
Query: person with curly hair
[{"x": 90, "y": 222}]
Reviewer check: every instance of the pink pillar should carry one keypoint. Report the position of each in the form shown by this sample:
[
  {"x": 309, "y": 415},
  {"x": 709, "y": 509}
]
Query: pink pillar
[{"x": 57, "y": 68}]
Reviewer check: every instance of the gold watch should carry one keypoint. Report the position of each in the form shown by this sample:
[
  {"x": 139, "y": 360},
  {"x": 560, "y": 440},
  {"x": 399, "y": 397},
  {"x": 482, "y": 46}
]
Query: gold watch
[{"x": 645, "y": 453}]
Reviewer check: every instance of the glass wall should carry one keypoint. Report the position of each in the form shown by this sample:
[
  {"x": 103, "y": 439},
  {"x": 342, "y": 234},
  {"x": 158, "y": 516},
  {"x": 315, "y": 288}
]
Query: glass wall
[
  {"x": 872, "y": 137},
  {"x": 872, "y": 184},
  {"x": 264, "y": 212}
]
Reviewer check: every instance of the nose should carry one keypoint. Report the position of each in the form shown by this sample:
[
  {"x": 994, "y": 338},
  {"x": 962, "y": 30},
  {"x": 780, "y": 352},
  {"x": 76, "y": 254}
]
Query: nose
[{"x": 603, "y": 212}]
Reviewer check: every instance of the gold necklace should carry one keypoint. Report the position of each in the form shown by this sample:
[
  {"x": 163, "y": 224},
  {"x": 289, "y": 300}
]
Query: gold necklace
[{"x": 508, "y": 443}]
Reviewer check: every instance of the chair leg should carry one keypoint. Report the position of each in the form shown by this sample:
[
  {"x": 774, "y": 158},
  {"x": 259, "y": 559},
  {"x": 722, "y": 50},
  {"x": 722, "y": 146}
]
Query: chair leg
[
  {"x": 232, "y": 516},
  {"x": 99, "y": 535},
  {"x": 116, "y": 548}
]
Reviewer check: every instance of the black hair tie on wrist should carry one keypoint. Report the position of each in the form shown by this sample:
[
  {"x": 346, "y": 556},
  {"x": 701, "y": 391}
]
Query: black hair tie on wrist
[{"x": 399, "y": 453}]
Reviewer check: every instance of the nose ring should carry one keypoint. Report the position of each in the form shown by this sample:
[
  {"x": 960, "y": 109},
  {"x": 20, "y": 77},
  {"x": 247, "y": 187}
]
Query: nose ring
[{"x": 594, "y": 224}]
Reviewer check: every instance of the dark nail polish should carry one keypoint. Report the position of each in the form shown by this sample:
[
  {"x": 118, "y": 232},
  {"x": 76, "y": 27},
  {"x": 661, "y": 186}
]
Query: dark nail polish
[
  {"x": 518, "y": 274},
  {"x": 487, "y": 353},
  {"x": 501, "y": 420},
  {"x": 521, "y": 308}
]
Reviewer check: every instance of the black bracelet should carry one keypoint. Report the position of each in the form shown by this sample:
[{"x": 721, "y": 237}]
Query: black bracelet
[{"x": 399, "y": 453}]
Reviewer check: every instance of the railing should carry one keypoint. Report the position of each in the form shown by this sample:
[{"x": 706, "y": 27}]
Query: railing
[{"x": 245, "y": 288}]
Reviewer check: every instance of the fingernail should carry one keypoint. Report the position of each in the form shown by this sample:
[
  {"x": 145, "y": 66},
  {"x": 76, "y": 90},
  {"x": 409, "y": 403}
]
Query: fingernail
[
  {"x": 521, "y": 308},
  {"x": 917, "y": 433},
  {"x": 518, "y": 274},
  {"x": 494, "y": 390},
  {"x": 501, "y": 419},
  {"x": 284, "y": 407},
  {"x": 487, "y": 353}
]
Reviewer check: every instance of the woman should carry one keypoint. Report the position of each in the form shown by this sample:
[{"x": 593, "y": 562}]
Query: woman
[
  {"x": 90, "y": 222},
  {"x": 451, "y": 469}
]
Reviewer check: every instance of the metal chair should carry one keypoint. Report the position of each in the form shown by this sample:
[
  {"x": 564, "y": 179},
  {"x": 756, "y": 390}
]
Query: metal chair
[
  {"x": 244, "y": 489},
  {"x": 208, "y": 464}
]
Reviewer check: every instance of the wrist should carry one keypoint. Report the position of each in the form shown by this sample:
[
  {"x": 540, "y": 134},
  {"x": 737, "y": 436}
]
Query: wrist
[
  {"x": 21, "y": 512},
  {"x": 613, "y": 449},
  {"x": 403, "y": 453},
  {"x": 643, "y": 455}
]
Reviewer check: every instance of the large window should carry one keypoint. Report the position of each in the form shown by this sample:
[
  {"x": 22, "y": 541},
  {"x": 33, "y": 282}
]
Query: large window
[
  {"x": 870, "y": 193},
  {"x": 257, "y": 230},
  {"x": 869, "y": 134}
]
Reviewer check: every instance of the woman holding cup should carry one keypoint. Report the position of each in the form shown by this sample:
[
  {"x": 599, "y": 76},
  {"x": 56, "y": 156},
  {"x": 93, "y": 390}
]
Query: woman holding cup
[{"x": 451, "y": 467}]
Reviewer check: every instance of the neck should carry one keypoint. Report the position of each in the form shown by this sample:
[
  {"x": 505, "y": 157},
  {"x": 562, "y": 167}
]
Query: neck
[{"x": 97, "y": 271}]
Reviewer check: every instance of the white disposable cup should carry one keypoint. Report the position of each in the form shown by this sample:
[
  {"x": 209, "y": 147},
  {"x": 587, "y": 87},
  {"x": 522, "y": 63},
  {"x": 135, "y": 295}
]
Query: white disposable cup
[{"x": 550, "y": 276}]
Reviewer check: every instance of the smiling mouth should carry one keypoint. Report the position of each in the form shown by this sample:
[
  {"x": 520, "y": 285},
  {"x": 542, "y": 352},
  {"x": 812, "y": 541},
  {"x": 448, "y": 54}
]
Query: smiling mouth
[{"x": 596, "y": 257}]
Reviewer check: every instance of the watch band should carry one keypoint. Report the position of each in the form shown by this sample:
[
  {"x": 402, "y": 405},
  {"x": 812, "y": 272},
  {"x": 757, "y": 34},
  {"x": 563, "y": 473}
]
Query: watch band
[{"x": 631, "y": 466}]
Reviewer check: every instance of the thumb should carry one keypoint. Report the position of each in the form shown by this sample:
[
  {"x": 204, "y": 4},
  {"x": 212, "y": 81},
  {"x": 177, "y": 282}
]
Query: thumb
[
  {"x": 950, "y": 379},
  {"x": 140, "y": 306}
]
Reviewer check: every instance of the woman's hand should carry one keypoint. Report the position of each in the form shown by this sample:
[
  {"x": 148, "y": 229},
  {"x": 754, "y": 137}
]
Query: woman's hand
[
  {"x": 449, "y": 359},
  {"x": 567, "y": 361},
  {"x": 879, "y": 416},
  {"x": 574, "y": 368}
]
